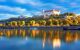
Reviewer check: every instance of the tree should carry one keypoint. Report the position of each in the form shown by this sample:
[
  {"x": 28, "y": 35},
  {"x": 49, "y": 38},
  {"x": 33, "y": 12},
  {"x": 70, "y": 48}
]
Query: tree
[
  {"x": 75, "y": 22},
  {"x": 69, "y": 14},
  {"x": 42, "y": 22},
  {"x": 32, "y": 22}
]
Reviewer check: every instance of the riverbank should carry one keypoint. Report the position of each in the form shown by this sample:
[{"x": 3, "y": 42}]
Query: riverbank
[{"x": 44, "y": 27}]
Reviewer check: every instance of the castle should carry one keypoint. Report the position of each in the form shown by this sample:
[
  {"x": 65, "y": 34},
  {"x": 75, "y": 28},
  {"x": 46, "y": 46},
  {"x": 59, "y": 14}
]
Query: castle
[{"x": 47, "y": 13}]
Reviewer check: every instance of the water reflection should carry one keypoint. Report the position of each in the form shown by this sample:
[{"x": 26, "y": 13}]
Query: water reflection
[{"x": 50, "y": 37}]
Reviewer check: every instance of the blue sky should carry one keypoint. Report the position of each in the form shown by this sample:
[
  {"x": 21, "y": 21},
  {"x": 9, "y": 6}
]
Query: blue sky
[{"x": 14, "y": 8}]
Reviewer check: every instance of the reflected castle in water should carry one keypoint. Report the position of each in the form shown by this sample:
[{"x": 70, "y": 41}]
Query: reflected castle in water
[{"x": 54, "y": 37}]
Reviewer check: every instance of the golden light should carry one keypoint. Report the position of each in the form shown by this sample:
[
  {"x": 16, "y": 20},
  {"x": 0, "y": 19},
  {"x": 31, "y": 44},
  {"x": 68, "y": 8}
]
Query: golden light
[
  {"x": 43, "y": 42},
  {"x": 56, "y": 42}
]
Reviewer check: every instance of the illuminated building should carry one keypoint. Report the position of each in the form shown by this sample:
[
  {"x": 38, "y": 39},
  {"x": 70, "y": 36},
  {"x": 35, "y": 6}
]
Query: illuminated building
[
  {"x": 55, "y": 12},
  {"x": 47, "y": 13}
]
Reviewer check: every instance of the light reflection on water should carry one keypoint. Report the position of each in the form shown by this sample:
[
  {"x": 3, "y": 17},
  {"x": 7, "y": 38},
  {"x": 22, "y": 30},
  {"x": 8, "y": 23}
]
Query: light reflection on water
[{"x": 39, "y": 39}]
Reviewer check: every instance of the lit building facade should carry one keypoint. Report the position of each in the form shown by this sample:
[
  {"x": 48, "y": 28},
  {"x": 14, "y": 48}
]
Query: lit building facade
[{"x": 47, "y": 13}]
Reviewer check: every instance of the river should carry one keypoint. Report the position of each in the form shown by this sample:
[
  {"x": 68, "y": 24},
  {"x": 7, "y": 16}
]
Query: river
[{"x": 46, "y": 39}]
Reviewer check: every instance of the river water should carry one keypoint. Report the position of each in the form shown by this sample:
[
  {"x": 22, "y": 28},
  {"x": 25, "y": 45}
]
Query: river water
[{"x": 39, "y": 39}]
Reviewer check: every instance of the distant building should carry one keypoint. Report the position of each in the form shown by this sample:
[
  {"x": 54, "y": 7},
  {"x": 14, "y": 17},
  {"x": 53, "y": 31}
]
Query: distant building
[
  {"x": 47, "y": 13},
  {"x": 55, "y": 12}
]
